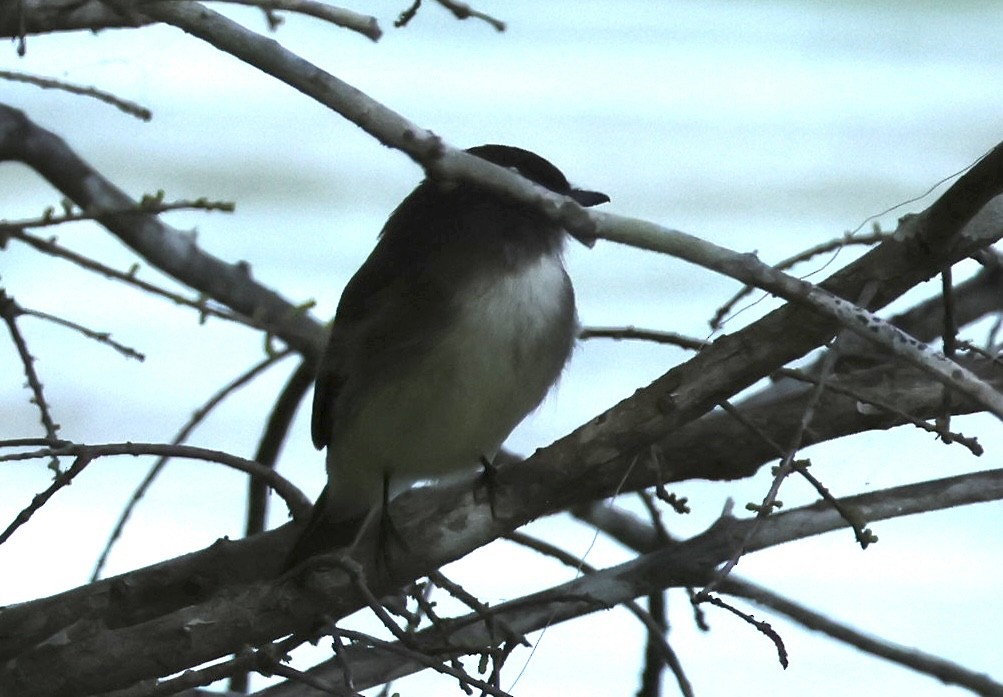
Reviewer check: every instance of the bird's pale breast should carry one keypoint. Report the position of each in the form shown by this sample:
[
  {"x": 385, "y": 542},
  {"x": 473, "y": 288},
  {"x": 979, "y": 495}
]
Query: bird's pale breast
[{"x": 508, "y": 341}]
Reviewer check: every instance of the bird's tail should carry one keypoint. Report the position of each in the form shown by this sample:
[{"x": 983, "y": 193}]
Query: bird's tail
[{"x": 325, "y": 532}]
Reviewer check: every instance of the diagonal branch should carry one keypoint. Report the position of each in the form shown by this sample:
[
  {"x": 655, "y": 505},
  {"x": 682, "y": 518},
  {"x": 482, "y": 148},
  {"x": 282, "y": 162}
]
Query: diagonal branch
[
  {"x": 686, "y": 563},
  {"x": 642, "y": 537},
  {"x": 167, "y": 248},
  {"x": 107, "y": 656},
  {"x": 46, "y": 16}
]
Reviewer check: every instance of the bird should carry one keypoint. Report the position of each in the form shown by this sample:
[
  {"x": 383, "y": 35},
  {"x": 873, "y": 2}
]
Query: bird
[{"x": 451, "y": 332}]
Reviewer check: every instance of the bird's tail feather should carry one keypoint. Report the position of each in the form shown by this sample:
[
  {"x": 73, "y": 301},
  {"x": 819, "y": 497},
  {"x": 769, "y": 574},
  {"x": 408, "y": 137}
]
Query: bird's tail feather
[{"x": 324, "y": 532}]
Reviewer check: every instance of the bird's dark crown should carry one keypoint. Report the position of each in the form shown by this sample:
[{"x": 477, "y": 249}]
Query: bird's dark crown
[
  {"x": 526, "y": 163},
  {"x": 536, "y": 169}
]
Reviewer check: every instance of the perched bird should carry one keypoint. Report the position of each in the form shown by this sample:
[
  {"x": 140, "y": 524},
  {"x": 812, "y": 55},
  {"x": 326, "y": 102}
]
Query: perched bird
[{"x": 450, "y": 333}]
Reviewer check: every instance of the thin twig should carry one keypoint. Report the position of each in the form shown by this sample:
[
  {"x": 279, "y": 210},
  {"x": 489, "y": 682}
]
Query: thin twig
[
  {"x": 276, "y": 429},
  {"x": 463, "y": 11},
  {"x": 919, "y": 661},
  {"x": 293, "y": 497},
  {"x": 950, "y": 332},
  {"x": 173, "y": 251},
  {"x": 992, "y": 356},
  {"x": 251, "y": 659},
  {"x": 636, "y": 534},
  {"x": 458, "y": 9},
  {"x": 61, "y": 480},
  {"x": 51, "y": 248},
  {"x": 100, "y": 337},
  {"x": 354, "y": 571},
  {"x": 763, "y": 627},
  {"x": 339, "y": 656},
  {"x": 655, "y": 336},
  {"x": 836, "y": 244},
  {"x": 949, "y": 335},
  {"x": 182, "y": 435},
  {"x": 407, "y": 14},
  {"x": 947, "y": 436},
  {"x": 848, "y": 238},
  {"x": 436, "y": 665},
  {"x": 425, "y": 608},
  {"x": 149, "y": 203},
  {"x": 656, "y": 637},
  {"x": 125, "y": 105},
  {"x": 33, "y": 442},
  {"x": 781, "y": 472},
  {"x": 654, "y": 664},
  {"x": 9, "y": 311},
  {"x": 468, "y": 599}
]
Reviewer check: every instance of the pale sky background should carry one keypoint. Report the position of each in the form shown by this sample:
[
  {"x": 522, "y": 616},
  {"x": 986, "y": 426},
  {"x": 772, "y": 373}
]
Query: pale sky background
[{"x": 763, "y": 127}]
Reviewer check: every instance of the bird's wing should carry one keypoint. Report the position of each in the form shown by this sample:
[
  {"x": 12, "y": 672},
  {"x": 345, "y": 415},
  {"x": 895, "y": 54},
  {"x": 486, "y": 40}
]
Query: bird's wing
[
  {"x": 388, "y": 310},
  {"x": 330, "y": 379}
]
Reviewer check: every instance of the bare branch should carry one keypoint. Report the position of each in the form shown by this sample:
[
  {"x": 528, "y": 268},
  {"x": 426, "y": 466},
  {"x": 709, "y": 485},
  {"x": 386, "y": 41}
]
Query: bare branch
[
  {"x": 265, "y": 659},
  {"x": 45, "y": 16},
  {"x": 831, "y": 246},
  {"x": 946, "y": 671},
  {"x": 947, "y": 436},
  {"x": 125, "y": 105},
  {"x": 9, "y": 312},
  {"x": 656, "y": 631},
  {"x": 634, "y": 533},
  {"x": 100, "y": 337},
  {"x": 746, "y": 268},
  {"x": 686, "y": 563},
  {"x": 437, "y": 515},
  {"x": 786, "y": 467},
  {"x": 461, "y": 10},
  {"x": 279, "y": 609},
  {"x": 276, "y": 429},
  {"x": 200, "y": 414},
  {"x": 63, "y": 479},
  {"x": 581, "y": 465},
  {"x": 168, "y": 249},
  {"x": 128, "y": 277},
  {"x": 366, "y": 25},
  {"x": 293, "y": 497},
  {"x": 652, "y": 335},
  {"x": 149, "y": 203}
]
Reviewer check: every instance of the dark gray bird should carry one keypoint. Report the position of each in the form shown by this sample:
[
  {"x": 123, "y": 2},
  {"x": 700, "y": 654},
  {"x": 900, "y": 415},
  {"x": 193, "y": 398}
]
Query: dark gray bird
[{"x": 450, "y": 333}]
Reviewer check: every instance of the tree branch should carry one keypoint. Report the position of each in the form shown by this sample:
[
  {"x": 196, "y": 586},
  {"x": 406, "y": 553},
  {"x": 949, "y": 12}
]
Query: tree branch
[
  {"x": 639, "y": 536},
  {"x": 167, "y": 248},
  {"x": 686, "y": 563},
  {"x": 46, "y": 16}
]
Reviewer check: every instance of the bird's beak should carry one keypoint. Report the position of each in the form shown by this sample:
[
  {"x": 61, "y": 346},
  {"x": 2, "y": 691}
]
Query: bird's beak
[{"x": 587, "y": 199}]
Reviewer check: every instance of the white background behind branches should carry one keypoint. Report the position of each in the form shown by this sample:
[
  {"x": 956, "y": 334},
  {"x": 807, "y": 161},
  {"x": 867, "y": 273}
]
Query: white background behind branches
[{"x": 764, "y": 127}]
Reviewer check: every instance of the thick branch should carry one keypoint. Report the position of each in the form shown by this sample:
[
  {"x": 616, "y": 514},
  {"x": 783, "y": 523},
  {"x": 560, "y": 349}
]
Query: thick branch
[
  {"x": 44, "y": 16},
  {"x": 446, "y": 523},
  {"x": 687, "y": 563},
  {"x": 714, "y": 447},
  {"x": 430, "y": 519},
  {"x": 437, "y": 515},
  {"x": 644, "y": 537},
  {"x": 172, "y": 251},
  {"x": 749, "y": 270}
]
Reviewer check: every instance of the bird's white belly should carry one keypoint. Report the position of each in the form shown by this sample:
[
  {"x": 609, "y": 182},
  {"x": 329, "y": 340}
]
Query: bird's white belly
[{"x": 460, "y": 403}]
